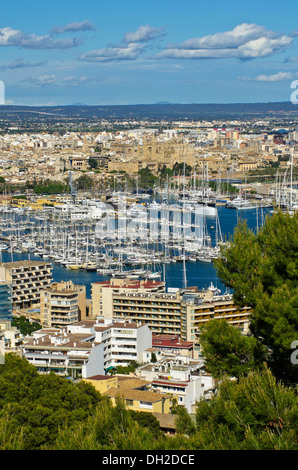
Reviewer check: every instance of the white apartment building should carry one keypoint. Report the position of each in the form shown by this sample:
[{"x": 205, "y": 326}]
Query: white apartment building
[
  {"x": 65, "y": 353},
  {"x": 10, "y": 335},
  {"x": 181, "y": 377},
  {"x": 124, "y": 342},
  {"x": 87, "y": 348}
]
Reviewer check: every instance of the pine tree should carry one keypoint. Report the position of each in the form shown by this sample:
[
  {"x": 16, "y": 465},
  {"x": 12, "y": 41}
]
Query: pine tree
[{"x": 262, "y": 269}]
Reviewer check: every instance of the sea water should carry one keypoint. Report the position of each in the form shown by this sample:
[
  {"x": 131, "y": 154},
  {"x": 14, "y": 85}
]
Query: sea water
[{"x": 198, "y": 274}]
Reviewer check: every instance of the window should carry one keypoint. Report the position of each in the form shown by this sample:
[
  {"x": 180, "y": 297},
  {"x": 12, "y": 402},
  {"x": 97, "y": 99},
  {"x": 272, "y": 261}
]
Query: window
[{"x": 146, "y": 404}]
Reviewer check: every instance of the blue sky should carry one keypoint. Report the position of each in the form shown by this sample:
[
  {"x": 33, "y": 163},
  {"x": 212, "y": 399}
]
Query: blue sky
[{"x": 116, "y": 52}]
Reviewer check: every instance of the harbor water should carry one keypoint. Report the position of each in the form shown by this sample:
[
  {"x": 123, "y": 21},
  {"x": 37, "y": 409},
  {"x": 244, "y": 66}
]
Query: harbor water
[{"x": 199, "y": 274}]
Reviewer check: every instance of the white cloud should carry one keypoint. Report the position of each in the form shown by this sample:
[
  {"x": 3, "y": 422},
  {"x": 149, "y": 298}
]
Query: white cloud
[
  {"x": 19, "y": 64},
  {"x": 48, "y": 80},
  {"x": 74, "y": 27},
  {"x": 132, "y": 45},
  {"x": 241, "y": 34},
  {"x": 245, "y": 41},
  {"x": 43, "y": 80},
  {"x": 276, "y": 77},
  {"x": 128, "y": 52},
  {"x": 144, "y": 34},
  {"x": 291, "y": 59},
  {"x": 74, "y": 81},
  {"x": 17, "y": 38},
  {"x": 263, "y": 47}
]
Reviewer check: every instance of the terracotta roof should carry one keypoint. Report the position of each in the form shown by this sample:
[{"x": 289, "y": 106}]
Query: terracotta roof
[
  {"x": 132, "y": 394},
  {"x": 100, "y": 377},
  {"x": 118, "y": 325},
  {"x": 170, "y": 383},
  {"x": 86, "y": 323},
  {"x": 24, "y": 263},
  {"x": 166, "y": 420},
  {"x": 134, "y": 285},
  {"x": 130, "y": 382},
  {"x": 170, "y": 341}
]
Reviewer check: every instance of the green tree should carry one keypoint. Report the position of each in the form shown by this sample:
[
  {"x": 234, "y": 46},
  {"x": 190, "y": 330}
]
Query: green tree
[
  {"x": 227, "y": 351},
  {"x": 38, "y": 405},
  {"x": 180, "y": 168},
  {"x": 109, "y": 428},
  {"x": 131, "y": 367},
  {"x": 10, "y": 437},
  {"x": 184, "y": 423},
  {"x": 256, "y": 413},
  {"x": 146, "y": 178},
  {"x": 50, "y": 187},
  {"x": 146, "y": 420},
  {"x": 93, "y": 163},
  {"x": 165, "y": 171},
  {"x": 84, "y": 182},
  {"x": 262, "y": 269},
  {"x": 25, "y": 326},
  {"x": 153, "y": 357}
]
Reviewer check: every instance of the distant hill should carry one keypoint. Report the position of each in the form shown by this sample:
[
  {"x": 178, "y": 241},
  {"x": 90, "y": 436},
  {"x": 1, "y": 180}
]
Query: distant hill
[{"x": 158, "y": 111}]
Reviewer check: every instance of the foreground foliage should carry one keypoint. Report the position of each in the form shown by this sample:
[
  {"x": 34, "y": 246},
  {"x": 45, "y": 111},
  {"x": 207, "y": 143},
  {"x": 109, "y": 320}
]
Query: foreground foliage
[
  {"x": 255, "y": 413},
  {"x": 50, "y": 413},
  {"x": 37, "y": 405},
  {"x": 262, "y": 269},
  {"x": 227, "y": 352}
]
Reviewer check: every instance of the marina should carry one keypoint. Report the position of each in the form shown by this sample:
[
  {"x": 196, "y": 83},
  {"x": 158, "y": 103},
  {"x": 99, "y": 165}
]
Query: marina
[{"x": 152, "y": 239}]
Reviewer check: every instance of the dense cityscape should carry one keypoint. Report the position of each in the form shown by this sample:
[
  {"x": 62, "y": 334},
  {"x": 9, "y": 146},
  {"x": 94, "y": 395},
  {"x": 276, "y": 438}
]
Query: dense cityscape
[
  {"x": 112, "y": 209},
  {"x": 148, "y": 252}
]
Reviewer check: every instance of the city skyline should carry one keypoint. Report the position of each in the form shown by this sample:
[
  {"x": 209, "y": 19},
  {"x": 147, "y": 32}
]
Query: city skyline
[{"x": 115, "y": 53}]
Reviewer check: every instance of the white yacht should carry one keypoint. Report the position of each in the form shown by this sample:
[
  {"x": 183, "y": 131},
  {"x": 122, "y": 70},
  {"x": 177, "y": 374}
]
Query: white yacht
[{"x": 240, "y": 203}]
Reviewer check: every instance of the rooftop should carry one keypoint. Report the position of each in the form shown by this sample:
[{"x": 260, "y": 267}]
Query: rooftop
[
  {"x": 133, "y": 394},
  {"x": 166, "y": 420},
  {"x": 61, "y": 340},
  {"x": 24, "y": 263},
  {"x": 130, "y": 284},
  {"x": 169, "y": 341},
  {"x": 100, "y": 377}
]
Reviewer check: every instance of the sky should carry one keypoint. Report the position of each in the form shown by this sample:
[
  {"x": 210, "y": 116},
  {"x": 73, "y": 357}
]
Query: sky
[{"x": 114, "y": 52}]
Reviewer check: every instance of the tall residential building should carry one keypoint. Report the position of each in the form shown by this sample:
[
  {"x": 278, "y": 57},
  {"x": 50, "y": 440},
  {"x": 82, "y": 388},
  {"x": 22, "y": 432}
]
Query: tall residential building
[
  {"x": 5, "y": 301},
  {"x": 124, "y": 342},
  {"x": 102, "y": 293},
  {"x": 180, "y": 314},
  {"x": 27, "y": 278},
  {"x": 62, "y": 304}
]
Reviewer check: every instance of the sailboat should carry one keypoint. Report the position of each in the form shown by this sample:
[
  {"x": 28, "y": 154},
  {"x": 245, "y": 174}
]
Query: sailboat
[
  {"x": 284, "y": 195},
  {"x": 88, "y": 265},
  {"x": 76, "y": 266},
  {"x": 240, "y": 202}
]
